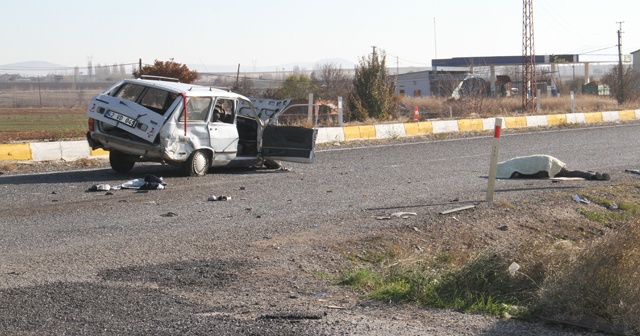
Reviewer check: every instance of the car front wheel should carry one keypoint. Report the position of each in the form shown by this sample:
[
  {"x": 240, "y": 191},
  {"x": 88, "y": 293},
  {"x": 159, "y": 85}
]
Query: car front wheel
[
  {"x": 120, "y": 162},
  {"x": 197, "y": 164}
]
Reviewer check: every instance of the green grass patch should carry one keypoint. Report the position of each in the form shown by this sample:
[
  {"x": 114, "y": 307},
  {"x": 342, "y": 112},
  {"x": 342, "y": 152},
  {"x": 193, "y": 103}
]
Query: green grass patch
[
  {"x": 363, "y": 278},
  {"x": 42, "y": 122},
  {"x": 610, "y": 211},
  {"x": 482, "y": 286},
  {"x": 595, "y": 275}
]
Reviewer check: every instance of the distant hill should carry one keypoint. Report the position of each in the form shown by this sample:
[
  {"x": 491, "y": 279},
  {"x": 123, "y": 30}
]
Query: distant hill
[
  {"x": 43, "y": 68},
  {"x": 346, "y": 65},
  {"x": 34, "y": 68}
]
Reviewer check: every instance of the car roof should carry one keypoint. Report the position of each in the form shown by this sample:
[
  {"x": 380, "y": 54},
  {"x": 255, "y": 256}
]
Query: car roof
[{"x": 188, "y": 89}]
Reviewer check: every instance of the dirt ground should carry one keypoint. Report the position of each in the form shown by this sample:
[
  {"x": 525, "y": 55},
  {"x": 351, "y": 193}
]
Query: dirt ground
[{"x": 549, "y": 215}]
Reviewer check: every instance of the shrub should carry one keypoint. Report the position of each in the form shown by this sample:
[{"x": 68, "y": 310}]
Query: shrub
[{"x": 603, "y": 282}]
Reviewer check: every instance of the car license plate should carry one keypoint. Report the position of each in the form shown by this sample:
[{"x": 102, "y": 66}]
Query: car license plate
[{"x": 121, "y": 118}]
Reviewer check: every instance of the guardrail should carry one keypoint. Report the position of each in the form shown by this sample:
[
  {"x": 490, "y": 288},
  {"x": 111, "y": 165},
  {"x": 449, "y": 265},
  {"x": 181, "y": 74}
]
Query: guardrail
[{"x": 73, "y": 150}]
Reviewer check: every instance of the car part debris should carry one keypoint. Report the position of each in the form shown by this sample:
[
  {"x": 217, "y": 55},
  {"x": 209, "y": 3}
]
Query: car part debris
[
  {"x": 579, "y": 199},
  {"x": 99, "y": 187},
  {"x": 169, "y": 214},
  {"x": 403, "y": 215},
  {"x": 513, "y": 268},
  {"x": 149, "y": 182},
  {"x": 633, "y": 171},
  {"x": 457, "y": 209},
  {"x": 219, "y": 198}
]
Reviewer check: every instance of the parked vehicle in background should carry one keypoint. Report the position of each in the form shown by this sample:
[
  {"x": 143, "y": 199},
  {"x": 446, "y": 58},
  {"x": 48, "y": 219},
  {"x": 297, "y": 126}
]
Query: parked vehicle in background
[{"x": 193, "y": 127}]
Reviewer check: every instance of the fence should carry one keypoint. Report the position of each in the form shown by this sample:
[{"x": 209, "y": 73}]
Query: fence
[{"x": 30, "y": 94}]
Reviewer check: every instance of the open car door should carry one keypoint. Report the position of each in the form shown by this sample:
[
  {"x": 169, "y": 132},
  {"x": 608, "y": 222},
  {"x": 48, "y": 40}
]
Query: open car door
[{"x": 289, "y": 143}]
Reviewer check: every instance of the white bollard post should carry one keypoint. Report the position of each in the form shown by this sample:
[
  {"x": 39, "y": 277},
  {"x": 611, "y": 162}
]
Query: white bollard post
[
  {"x": 494, "y": 159},
  {"x": 573, "y": 104},
  {"x": 310, "y": 109},
  {"x": 340, "y": 117}
]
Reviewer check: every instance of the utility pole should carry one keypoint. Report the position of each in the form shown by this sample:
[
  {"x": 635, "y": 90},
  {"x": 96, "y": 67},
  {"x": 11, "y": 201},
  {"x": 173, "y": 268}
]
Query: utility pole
[
  {"x": 374, "y": 51},
  {"x": 620, "y": 71},
  {"x": 237, "y": 77},
  {"x": 529, "y": 85},
  {"x": 435, "y": 38}
]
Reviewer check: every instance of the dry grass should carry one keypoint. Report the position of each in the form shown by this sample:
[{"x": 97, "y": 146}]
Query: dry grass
[
  {"x": 603, "y": 282},
  {"x": 585, "y": 264},
  {"x": 437, "y": 107}
]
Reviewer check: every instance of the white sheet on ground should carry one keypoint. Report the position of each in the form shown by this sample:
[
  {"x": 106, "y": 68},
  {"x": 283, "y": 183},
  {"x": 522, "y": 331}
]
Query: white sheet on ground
[{"x": 529, "y": 165}]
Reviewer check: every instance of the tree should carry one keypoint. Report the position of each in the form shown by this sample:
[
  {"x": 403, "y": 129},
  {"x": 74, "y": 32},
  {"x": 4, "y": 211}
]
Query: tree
[
  {"x": 168, "y": 69},
  {"x": 630, "y": 84},
  {"x": 372, "y": 94},
  {"x": 331, "y": 81},
  {"x": 296, "y": 87},
  {"x": 245, "y": 87}
]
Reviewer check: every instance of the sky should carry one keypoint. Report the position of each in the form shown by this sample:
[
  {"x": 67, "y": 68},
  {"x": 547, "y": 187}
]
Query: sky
[{"x": 274, "y": 34}]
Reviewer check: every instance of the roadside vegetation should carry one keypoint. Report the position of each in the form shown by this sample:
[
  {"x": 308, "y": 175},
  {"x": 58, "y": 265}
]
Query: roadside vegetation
[
  {"x": 560, "y": 271},
  {"x": 54, "y": 124},
  {"x": 51, "y": 114}
]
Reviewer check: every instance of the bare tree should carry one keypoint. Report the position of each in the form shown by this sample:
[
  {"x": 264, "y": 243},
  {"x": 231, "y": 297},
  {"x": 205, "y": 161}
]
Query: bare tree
[
  {"x": 331, "y": 81},
  {"x": 630, "y": 83}
]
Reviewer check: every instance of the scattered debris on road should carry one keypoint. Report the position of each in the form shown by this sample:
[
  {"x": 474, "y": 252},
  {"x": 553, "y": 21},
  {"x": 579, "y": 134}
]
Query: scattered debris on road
[
  {"x": 149, "y": 182},
  {"x": 403, "y": 215},
  {"x": 579, "y": 199},
  {"x": 219, "y": 198},
  {"x": 457, "y": 209}
]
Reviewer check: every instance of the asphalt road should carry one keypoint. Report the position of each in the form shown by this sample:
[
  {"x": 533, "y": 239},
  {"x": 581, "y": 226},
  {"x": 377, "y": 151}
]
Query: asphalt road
[{"x": 79, "y": 262}]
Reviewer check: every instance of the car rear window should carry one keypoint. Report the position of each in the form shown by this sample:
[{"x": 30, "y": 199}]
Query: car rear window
[{"x": 155, "y": 99}]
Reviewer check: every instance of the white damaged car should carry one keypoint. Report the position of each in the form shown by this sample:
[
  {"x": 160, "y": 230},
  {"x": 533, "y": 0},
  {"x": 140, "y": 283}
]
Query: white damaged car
[{"x": 194, "y": 127}]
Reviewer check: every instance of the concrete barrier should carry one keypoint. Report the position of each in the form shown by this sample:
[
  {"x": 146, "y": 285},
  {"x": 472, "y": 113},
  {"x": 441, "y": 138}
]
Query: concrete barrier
[
  {"x": 390, "y": 131},
  {"x": 330, "y": 134},
  {"x": 71, "y": 150},
  {"x": 21, "y": 151},
  {"x": 445, "y": 126}
]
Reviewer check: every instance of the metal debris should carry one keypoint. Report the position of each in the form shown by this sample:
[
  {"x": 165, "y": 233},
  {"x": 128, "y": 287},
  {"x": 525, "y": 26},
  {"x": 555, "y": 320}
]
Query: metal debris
[
  {"x": 403, "y": 215},
  {"x": 219, "y": 198},
  {"x": 579, "y": 199},
  {"x": 457, "y": 209}
]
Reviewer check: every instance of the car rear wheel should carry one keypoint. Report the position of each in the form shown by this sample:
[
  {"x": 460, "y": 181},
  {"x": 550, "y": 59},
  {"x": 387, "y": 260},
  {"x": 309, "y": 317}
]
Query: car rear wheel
[
  {"x": 197, "y": 164},
  {"x": 120, "y": 162}
]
